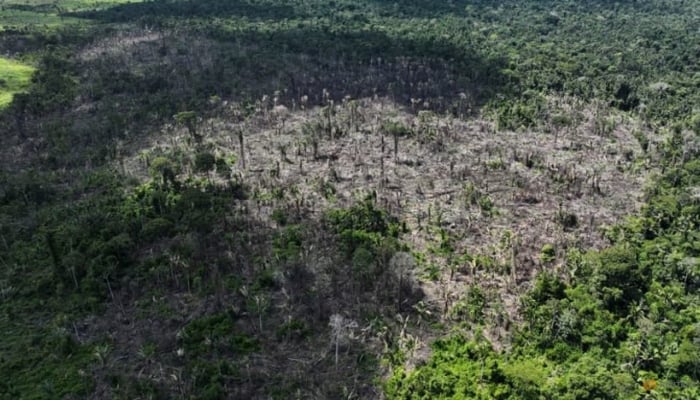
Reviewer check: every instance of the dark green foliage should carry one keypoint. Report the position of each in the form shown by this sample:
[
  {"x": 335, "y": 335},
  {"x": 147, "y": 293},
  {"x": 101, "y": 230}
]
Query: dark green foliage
[
  {"x": 280, "y": 216},
  {"x": 392, "y": 128},
  {"x": 471, "y": 307},
  {"x": 129, "y": 388},
  {"x": 363, "y": 265},
  {"x": 363, "y": 225},
  {"x": 361, "y": 217},
  {"x": 163, "y": 167},
  {"x": 517, "y": 114},
  {"x": 86, "y": 247},
  {"x": 210, "y": 379},
  {"x": 287, "y": 244},
  {"x": 264, "y": 280},
  {"x": 474, "y": 372},
  {"x": 567, "y": 220},
  {"x": 547, "y": 287},
  {"x": 53, "y": 86},
  {"x": 215, "y": 332},
  {"x": 157, "y": 228},
  {"x": 204, "y": 162},
  {"x": 118, "y": 248},
  {"x": 622, "y": 281},
  {"x": 630, "y": 316},
  {"x": 57, "y": 360},
  {"x": 293, "y": 330}
]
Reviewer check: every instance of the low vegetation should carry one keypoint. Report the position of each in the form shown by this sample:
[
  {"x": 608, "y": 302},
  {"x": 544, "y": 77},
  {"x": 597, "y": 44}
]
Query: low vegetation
[
  {"x": 350, "y": 199},
  {"x": 14, "y": 77}
]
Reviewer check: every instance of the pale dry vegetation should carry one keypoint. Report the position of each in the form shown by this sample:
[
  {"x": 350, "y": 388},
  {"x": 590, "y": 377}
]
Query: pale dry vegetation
[{"x": 501, "y": 195}]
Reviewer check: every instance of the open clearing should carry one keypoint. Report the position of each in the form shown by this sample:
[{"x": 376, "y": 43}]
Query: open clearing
[
  {"x": 14, "y": 78},
  {"x": 37, "y": 14},
  {"x": 500, "y": 197},
  {"x": 438, "y": 167}
]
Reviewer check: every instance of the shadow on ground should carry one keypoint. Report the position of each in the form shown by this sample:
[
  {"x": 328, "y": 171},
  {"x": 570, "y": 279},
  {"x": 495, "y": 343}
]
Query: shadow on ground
[
  {"x": 276, "y": 10},
  {"x": 127, "y": 82}
]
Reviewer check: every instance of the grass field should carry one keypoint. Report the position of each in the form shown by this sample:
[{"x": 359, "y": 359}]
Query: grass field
[
  {"x": 46, "y": 14},
  {"x": 14, "y": 77}
]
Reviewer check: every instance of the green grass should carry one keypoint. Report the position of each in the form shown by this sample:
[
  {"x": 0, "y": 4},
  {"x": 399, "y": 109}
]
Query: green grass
[
  {"x": 66, "y": 5},
  {"x": 14, "y": 78},
  {"x": 47, "y": 14},
  {"x": 37, "y": 15}
]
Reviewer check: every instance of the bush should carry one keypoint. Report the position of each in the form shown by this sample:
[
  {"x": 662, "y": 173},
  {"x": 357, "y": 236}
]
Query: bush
[
  {"x": 164, "y": 168},
  {"x": 547, "y": 287},
  {"x": 364, "y": 225},
  {"x": 396, "y": 129},
  {"x": 294, "y": 329},
  {"x": 622, "y": 280},
  {"x": 204, "y": 162},
  {"x": 548, "y": 254},
  {"x": 287, "y": 243},
  {"x": 280, "y": 216},
  {"x": 362, "y": 217},
  {"x": 471, "y": 307}
]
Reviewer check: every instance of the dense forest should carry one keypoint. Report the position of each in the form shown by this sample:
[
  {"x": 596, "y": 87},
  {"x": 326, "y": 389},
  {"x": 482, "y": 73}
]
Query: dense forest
[{"x": 350, "y": 199}]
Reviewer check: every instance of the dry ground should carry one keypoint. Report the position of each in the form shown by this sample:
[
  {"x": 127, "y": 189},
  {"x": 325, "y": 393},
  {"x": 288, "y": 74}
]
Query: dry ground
[{"x": 501, "y": 195}]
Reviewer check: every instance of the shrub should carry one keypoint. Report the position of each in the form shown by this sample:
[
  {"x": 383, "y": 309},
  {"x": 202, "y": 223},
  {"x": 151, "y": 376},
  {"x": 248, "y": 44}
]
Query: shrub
[
  {"x": 204, "y": 162},
  {"x": 548, "y": 254},
  {"x": 396, "y": 129},
  {"x": 363, "y": 225},
  {"x": 287, "y": 243},
  {"x": 163, "y": 167}
]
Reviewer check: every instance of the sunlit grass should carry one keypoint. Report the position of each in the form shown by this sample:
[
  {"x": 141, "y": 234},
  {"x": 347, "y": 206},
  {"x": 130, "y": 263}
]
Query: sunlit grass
[
  {"x": 32, "y": 15},
  {"x": 67, "y": 5},
  {"x": 14, "y": 78},
  {"x": 21, "y": 14}
]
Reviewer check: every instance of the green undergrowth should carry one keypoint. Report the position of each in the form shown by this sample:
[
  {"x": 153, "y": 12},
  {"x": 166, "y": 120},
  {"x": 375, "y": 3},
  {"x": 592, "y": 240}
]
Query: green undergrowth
[
  {"x": 619, "y": 323},
  {"x": 64, "y": 263},
  {"x": 41, "y": 357}
]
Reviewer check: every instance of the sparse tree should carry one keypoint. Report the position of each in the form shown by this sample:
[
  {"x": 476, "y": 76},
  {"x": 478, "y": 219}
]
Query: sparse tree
[
  {"x": 342, "y": 331},
  {"x": 189, "y": 120}
]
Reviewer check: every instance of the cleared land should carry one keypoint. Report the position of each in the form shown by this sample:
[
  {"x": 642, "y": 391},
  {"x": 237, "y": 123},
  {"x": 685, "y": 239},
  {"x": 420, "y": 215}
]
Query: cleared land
[{"x": 501, "y": 197}]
